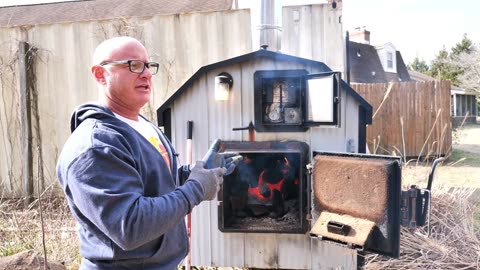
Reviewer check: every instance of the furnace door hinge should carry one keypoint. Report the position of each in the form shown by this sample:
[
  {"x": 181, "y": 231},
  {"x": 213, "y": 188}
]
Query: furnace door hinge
[{"x": 309, "y": 168}]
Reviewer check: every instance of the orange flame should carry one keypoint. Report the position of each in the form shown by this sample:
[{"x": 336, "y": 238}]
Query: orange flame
[{"x": 255, "y": 191}]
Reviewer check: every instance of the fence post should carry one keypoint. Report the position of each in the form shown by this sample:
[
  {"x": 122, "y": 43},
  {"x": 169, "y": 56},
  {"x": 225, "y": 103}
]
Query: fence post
[{"x": 24, "y": 55}]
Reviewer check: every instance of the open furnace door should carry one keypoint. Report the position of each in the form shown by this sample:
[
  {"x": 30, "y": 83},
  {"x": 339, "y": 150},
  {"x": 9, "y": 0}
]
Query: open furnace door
[
  {"x": 321, "y": 99},
  {"x": 356, "y": 201}
]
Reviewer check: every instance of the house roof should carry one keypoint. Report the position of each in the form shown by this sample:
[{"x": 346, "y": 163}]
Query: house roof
[
  {"x": 418, "y": 76},
  {"x": 402, "y": 71},
  {"x": 263, "y": 54},
  {"x": 366, "y": 67},
  {"x": 460, "y": 91},
  {"x": 88, "y": 10}
]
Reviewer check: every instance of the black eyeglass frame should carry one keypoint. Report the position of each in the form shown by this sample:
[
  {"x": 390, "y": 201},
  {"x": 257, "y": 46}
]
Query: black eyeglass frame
[{"x": 148, "y": 65}]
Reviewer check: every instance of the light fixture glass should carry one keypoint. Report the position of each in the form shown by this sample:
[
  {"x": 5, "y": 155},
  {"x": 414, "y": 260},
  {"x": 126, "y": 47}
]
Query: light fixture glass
[{"x": 223, "y": 84}]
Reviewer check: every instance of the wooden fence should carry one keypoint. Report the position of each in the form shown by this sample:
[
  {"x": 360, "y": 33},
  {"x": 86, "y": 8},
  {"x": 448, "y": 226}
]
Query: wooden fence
[{"x": 410, "y": 119}]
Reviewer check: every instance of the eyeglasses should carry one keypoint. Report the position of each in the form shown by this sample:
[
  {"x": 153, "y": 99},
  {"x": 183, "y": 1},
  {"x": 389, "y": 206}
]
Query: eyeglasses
[{"x": 135, "y": 66}]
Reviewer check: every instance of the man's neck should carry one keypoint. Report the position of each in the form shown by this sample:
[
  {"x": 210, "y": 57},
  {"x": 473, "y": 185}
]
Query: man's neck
[
  {"x": 128, "y": 116},
  {"x": 122, "y": 111}
]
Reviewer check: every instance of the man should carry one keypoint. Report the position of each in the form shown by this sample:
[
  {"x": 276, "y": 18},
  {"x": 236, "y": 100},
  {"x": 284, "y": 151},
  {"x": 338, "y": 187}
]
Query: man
[{"x": 119, "y": 174}]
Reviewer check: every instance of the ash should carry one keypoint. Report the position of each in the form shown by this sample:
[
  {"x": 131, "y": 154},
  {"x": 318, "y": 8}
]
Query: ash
[{"x": 289, "y": 221}]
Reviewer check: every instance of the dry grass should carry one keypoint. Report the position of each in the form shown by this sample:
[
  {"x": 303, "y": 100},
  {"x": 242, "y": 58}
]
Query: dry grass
[
  {"x": 454, "y": 242},
  {"x": 20, "y": 229}
]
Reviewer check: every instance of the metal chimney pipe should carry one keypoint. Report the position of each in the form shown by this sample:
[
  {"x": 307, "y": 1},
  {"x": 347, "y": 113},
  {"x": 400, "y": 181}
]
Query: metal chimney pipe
[{"x": 267, "y": 25}]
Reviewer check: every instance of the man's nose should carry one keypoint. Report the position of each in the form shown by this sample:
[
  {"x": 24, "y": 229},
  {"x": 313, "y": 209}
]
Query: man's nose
[{"x": 146, "y": 73}]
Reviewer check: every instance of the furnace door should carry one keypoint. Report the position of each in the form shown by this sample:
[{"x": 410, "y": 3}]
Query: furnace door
[
  {"x": 321, "y": 103},
  {"x": 356, "y": 201}
]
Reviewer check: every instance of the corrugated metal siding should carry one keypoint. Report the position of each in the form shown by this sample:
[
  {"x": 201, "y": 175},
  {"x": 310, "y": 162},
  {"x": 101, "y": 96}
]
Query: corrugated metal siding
[
  {"x": 180, "y": 43},
  {"x": 331, "y": 256},
  {"x": 63, "y": 81},
  {"x": 10, "y": 125},
  {"x": 314, "y": 32}
]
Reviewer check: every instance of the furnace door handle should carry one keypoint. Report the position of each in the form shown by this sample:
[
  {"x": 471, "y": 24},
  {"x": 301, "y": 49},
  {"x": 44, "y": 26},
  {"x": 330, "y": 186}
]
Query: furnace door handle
[
  {"x": 249, "y": 127},
  {"x": 338, "y": 228}
]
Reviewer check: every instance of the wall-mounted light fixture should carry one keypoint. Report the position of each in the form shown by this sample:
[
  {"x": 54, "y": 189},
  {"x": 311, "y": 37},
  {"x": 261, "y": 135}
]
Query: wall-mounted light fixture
[{"x": 223, "y": 85}]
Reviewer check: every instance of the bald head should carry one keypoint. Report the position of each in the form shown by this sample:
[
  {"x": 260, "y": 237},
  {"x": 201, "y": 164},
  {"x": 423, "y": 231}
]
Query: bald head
[
  {"x": 122, "y": 90},
  {"x": 107, "y": 50}
]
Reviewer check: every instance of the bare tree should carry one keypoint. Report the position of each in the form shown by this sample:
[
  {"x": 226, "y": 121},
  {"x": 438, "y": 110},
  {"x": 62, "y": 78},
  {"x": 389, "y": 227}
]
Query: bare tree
[{"x": 469, "y": 63}]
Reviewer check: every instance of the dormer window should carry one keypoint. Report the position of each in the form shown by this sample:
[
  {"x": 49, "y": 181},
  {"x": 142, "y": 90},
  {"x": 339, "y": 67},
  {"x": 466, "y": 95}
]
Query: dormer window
[
  {"x": 387, "y": 55},
  {"x": 389, "y": 60}
]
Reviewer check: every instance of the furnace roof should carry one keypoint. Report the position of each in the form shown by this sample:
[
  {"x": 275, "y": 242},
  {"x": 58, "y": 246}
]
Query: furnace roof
[{"x": 367, "y": 108}]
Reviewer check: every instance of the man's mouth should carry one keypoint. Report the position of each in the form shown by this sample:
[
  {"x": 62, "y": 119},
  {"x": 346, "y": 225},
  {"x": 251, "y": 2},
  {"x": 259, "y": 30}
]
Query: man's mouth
[{"x": 143, "y": 87}]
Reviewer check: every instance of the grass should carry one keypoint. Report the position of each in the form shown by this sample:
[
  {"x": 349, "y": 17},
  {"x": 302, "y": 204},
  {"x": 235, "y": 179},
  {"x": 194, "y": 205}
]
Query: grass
[
  {"x": 460, "y": 158},
  {"x": 13, "y": 246},
  {"x": 461, "y": 169},
  {"x": 20, "y": 230}
]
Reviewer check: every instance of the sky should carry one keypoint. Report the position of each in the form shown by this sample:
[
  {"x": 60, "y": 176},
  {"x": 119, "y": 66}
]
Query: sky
[{"x": 415, "y": 27}]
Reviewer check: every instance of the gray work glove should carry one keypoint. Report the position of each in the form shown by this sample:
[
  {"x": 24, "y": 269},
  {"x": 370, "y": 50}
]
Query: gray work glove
[
  {"x": 214, "y": 159},
  {"x": 210, "y": 179}
]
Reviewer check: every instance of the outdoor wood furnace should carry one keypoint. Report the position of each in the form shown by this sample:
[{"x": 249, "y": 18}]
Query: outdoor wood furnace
[{"x": 304, "y": 189}]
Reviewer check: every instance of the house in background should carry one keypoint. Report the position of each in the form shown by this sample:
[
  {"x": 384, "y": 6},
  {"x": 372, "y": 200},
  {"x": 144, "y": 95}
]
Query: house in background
[
  {"x": 383, "y": 64},
  {"x": 463, "y": 103},
  {"x": 373, "y": 64},
  {"x": 371, "y": 70},
  {"x": 464, "y": 106}
]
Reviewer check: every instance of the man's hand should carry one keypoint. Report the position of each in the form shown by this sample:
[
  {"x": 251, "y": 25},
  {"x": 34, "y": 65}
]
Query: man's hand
[
  {"x": 227, "y": 160},
  {"x": 210, "y": 179}
]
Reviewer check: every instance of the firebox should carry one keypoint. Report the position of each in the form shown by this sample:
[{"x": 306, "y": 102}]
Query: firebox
[
  {"x": 267, "y": 190},
  {"x": 350, "y": 199}
]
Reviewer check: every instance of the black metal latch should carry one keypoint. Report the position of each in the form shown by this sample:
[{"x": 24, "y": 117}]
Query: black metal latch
[{"x": 415, "y": 204}]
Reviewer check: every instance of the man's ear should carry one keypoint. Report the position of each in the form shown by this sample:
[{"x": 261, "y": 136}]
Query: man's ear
[{"x": 98, "y": 74}]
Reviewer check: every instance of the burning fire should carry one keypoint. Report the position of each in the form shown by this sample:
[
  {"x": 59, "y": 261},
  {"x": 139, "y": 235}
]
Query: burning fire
[
  {"x": 255, "y": 191},
  {"x": 267, "y": 185}
]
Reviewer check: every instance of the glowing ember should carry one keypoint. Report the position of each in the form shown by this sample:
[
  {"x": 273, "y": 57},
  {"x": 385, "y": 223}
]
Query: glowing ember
[{"x": 255, "y": 191}]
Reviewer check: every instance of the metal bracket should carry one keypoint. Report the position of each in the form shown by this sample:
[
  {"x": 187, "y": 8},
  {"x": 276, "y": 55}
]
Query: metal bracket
[{"x": 415, "y": 203}]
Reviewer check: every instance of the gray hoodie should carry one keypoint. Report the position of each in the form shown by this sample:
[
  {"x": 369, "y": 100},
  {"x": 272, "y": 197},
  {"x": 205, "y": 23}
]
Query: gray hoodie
[{"x": 126, "y": 200}]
